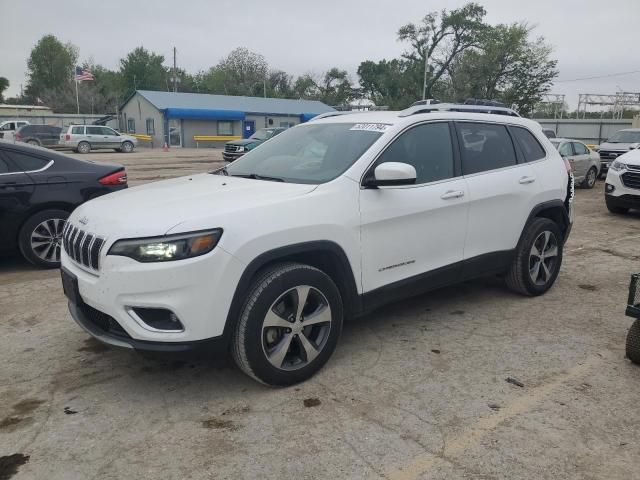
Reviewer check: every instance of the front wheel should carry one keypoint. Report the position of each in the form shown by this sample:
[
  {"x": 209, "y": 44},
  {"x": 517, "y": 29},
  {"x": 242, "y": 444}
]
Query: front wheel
[
  {"x": 590, "y": 178},
  {"x": 633, "y": 342},
  {"x": 40, "y": 238},
  {"x": 33, "y": 142},
  {"x": 537, "y": 259},
  {"x": 126, "y": 147},
  {"x": 289, "y": 325},
  {"x": 84, "y": 147}
]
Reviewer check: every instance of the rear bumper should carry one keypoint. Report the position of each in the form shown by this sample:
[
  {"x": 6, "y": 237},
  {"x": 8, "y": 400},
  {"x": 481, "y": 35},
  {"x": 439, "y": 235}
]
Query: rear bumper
[{"x": 108, "y": 331}]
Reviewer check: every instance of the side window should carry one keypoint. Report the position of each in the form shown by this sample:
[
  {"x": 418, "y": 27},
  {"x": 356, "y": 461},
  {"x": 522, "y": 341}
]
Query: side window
[
  {"x": 225, "y": 128},
  {"x": 580, "y": 148},
  {"x": 428, "y": 148},
  {"x": 131, "y": 125},
  {"x": 485, "y": 147},
  {"x": 151, "y": 130},
  {"x": 565, "y": 150},
  {"x": 94, "y": 130},
  {"x": 77, "y": 130},
  {"x": 6, "y": 167},
  {"x": 8, "y": 126},
  {"x": 531, "y": 148},
  {"x": 27, "y": 163},
  {"x": 108, "y": 131}
]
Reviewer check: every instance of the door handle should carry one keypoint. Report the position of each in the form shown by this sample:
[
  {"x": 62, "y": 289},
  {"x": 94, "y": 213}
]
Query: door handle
[
  {"x": 452, "y": 194},
  {"x": 526, "y": 180}
]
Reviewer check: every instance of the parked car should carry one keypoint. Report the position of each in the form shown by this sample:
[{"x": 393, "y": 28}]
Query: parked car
[
  {"x": 39, "y": 135},
  {"x": 84, "y": 138},
  {"x": 237, "y": 148},
  {"x": 38, "y": 190},
  {"x": 330, "y": 219},
  {"x": 622, "y": 187},
  {"x": 619, "y": 144},
  {"x": 585, "y": 164},
  {"x": 633, "y": 310},
  {"x": 8, "y": 128}
]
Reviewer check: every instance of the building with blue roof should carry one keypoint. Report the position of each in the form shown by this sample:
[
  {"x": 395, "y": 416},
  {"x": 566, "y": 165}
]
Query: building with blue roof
[{"x": 176, "y": 118}]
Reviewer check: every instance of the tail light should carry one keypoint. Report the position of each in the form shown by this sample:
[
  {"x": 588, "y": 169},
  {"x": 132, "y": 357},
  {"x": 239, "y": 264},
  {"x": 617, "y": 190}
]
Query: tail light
[
  {"x": 17, "y": 136},
  {"x": 118, "y": 178},
  {"x": 67, "y": 137}
]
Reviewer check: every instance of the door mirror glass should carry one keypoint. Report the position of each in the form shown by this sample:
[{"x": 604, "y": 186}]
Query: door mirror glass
[{"x": 392, "y": 173}]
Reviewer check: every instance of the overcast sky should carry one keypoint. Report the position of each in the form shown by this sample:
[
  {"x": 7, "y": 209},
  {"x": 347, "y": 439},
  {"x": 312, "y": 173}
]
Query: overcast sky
[{"x": 589, "y": 37}]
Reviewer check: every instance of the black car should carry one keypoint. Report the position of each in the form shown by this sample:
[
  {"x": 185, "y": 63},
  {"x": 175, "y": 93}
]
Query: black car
[
  {"x": 40, "y": 135},
  {"x": 38, "y": 190}
]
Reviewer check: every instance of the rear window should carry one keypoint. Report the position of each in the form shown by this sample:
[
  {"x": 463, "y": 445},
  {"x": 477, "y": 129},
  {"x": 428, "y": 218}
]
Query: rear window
[
  {"x": 484, "y": 147},
  {"x": 530, "y": 147},
  {"x": 77, "y": 130}
]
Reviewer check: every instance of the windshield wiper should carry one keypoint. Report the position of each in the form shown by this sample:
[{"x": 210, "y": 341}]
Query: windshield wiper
[{"x": 255, "y": 176}]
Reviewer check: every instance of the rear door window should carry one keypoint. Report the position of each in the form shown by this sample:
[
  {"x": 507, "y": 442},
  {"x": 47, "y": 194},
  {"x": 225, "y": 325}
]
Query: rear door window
[
  {"x": 77, "y": 130},
  {"x": 485, "y": 147},
  {"x": 530, "y": 147},
  {"x": 6, "y": 167},
  {"x": 27, "y": 163}
]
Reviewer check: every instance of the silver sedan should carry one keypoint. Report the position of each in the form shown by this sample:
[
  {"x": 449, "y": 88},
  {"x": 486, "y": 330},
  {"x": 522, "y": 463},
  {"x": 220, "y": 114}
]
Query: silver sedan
[{"x": 585, "y": 163}]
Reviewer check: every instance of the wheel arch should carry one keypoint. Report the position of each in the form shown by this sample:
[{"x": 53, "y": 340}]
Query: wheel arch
[
  {"x": 324, "y": 255},
  {"x": 555, "y": 211},
  {"x": 68, "y": 207}
]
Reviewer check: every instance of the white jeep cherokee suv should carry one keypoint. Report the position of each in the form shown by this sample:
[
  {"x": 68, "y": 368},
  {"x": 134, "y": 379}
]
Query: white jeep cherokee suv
[
  {"x": 622, "y": 187},
  {"x": 326, "y": 221}
]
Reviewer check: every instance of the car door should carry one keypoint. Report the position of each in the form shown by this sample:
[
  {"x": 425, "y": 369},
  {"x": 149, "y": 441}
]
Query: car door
[
  {"x": 581, "y": 158},
  {"x": 96, "y": 136},
  {"x": 502, "y": 192},
  {"x": 566, "y": 151},
  {"x": 8, "y": 130},
  {"x": 16, "y": 191},
  {"x": 407, "y": 231},
  {"x": 112, "y": 139}
]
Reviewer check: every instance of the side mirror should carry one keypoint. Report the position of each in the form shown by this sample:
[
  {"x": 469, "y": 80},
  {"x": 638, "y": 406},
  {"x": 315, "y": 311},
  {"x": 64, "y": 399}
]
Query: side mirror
[
  {"x": 634, "y": 146},
  {"x": 392, "y": 174}
]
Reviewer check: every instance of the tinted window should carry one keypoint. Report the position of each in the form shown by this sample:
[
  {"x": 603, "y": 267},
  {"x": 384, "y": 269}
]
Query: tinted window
[
  {"x": 95, "y": 131},
  {"x": 8, "y": 126},
  {"x": 5, "y": 167},
  {"x": 428, "y": 148},
  {"x": 27, "y": 163},
  {"x": 77, "y": 130},
  {"x": 580, "y": 148},
  {"x": 565, "y": 150},
  {"x": 485, "y": 147},
  {"x": 531, "y": 148}
]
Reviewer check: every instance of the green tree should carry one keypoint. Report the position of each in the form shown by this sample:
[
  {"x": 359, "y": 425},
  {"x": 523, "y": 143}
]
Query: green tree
[
  {"x": 440, "y": 38},
  {"x": 243, "y": 72},
  {"x": 50, "y": 66},
  {"x": 4, "y": 84},
  {"x": 280, "y": 84},
  {"x": 143, "y": 70},
  {"x": 391, "y": 83}
]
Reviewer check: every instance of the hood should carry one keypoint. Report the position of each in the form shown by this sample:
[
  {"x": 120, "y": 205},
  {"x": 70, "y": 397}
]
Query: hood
[
  {"x": 244, "y": 142},
  {"x": 631, "y": 158},
  {"x": 155, "y": 208},
  {"x": 618, "y": 147}
]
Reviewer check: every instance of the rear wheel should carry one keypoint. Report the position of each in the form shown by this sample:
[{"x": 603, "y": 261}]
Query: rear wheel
[
  {"x": 538, "y": 258},
  {"x": 633, "y": 342},
  {"x": 289, "y": 325},
  {"x": 591, "y": 177},
  {"x": 33, "y": 142},
  {"x": 40, "y": 238},
  {"x": 84, "y": 147}
]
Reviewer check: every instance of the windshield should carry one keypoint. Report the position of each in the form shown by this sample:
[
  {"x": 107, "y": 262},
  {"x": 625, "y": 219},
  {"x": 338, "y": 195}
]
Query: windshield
[
  {"x": 306, "y": 154},
  {"x": 262, "y": 134},
  {"x": 627, "y": 136}
]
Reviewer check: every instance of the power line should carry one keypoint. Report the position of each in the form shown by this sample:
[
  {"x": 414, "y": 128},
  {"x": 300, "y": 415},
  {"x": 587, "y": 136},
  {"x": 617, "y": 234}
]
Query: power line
[{"x": 598, "y": 76}]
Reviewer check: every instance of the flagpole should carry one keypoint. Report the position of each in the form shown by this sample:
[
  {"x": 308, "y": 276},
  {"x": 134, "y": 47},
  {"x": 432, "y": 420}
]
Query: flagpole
[{"x": 77, "y": 101}]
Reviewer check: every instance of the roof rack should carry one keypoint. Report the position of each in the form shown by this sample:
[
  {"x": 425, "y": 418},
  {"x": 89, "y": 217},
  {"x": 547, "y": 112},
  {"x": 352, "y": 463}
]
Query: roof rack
[
  {"x": 330, "y": 114},
  {"x": 457, "y": 107}
]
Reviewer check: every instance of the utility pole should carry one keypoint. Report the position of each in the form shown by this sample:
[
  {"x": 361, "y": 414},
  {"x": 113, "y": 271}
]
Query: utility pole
[
  {"x": 424, "y": 83},
  {"x": 175, "y": 74}
]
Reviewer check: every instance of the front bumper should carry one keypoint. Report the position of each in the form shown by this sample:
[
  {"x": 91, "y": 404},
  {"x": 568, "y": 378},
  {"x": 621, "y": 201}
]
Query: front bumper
[
  {"x": 231, "y": 156},
  {"x": 617, "y": 194},
  {"x": 197, "y": 290}
]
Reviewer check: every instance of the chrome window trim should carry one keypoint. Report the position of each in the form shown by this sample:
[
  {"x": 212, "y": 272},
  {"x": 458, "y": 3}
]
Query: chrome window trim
[{"x": 51, "y": 162}]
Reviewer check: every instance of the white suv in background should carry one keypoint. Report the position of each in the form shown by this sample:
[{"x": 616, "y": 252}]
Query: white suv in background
[
  {"x": 622, "y": 187},
  {"x": 84, "y": 138},
  {"x": 328, "y": 220}
]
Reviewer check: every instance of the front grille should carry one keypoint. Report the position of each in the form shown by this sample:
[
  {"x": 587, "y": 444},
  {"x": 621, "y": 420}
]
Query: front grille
[
  {"x": 103, "y": 321},
  {"x": 631, "y": 179},
  {"x": 230, "y": 148},
  {"x": 81, "y": 246},
  {"x": 609, "y": 155}
]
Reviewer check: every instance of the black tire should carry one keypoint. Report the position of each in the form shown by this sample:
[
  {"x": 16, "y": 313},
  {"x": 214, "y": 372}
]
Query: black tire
[
  {"x": 33, "y": 142},
  {"x": 633, "y": 342},
  {"x": 34, "y": 255},
  {"x": 615, "y": 209},
  {"x": 126, "y": 147},
  {"x": 519, "y": 277},
  {"x": 83, "y": 147},
  {"x": 590, "y": 178},
  {"x": 248, "y": 342}
]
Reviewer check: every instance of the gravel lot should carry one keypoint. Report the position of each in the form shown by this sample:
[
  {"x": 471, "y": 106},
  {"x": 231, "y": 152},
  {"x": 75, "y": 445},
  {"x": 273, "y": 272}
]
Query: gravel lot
[{"x": 415, "y": 390}]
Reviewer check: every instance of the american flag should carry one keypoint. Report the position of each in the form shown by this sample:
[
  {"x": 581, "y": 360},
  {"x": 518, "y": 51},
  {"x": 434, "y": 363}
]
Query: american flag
[{"x": 82, "y": 75}]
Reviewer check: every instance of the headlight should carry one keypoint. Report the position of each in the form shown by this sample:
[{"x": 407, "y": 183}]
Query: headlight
[
  {"x": 241, "y": 149},
  {"x": 618, "y": 166},
  {"x": 170, "y": 247}
]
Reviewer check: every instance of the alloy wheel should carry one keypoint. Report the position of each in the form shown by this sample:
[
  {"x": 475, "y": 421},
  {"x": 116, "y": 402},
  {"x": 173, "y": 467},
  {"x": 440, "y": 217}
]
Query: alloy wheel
[
  {"x": 296, "y": 328},
  {"x": 543, "y": 258},
  {"x": 46, "y": 239},
  {"x": 591, "y": 178}
]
